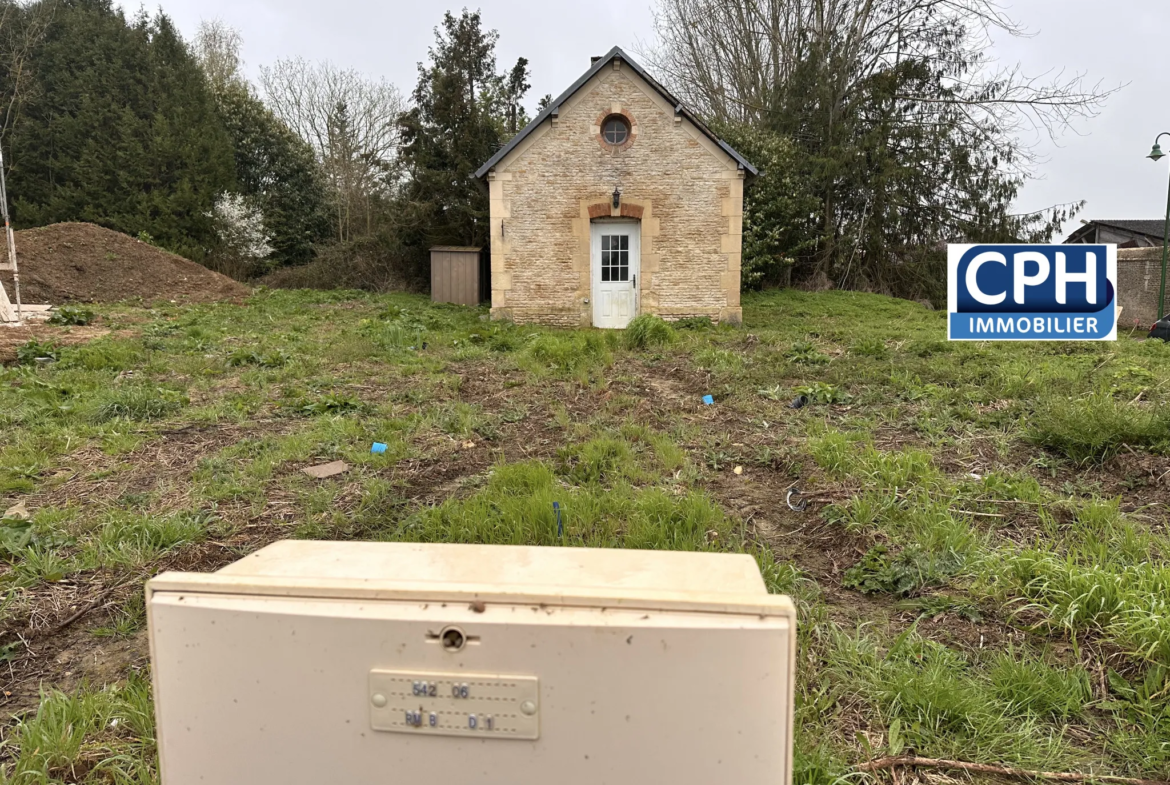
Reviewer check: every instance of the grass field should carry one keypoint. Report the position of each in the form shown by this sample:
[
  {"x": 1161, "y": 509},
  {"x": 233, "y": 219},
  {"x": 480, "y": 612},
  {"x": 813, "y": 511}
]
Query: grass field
[{"x": 980, "y": 564}]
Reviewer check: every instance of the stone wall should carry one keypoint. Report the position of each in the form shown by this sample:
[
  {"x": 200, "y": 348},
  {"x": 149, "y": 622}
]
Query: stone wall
[
  {"x": 1139, "y": 277},
  {"x": 686, "y": 192}
]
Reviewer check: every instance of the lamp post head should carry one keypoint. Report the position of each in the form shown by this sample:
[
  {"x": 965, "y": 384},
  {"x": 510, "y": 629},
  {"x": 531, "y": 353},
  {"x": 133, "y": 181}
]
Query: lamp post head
[{"x": 1156, "y": 154}]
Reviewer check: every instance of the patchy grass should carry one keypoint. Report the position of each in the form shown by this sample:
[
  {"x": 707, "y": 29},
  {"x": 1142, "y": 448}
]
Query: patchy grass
[
  {"x": 1098, "y": 426},
  {"x": 975, "y": 534}
]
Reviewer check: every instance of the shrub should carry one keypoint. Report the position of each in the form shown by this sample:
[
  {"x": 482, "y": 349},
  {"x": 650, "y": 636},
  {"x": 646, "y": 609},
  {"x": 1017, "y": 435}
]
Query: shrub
[
  {"x": 372, "y": 264},
  {"x": 648, "y": 330}
]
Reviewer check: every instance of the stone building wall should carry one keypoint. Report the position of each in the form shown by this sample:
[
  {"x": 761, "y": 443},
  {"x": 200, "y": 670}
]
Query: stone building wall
[
  {"x": 1139, "y": 277},
  {"x": 686, "y": 192}
]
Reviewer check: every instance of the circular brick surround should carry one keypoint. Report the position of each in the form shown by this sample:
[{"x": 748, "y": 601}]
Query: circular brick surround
[{"x": 630, "y": 121}]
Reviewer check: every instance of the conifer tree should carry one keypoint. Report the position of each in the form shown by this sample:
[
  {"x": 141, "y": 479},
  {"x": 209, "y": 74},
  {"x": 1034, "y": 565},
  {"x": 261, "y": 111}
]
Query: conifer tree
[
  {"x": 463, "y": 112},
  {"x": 118, "y": 128}
]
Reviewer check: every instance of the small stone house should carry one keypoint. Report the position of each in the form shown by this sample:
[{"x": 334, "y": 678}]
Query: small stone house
[{"x": 615, "y": 201}]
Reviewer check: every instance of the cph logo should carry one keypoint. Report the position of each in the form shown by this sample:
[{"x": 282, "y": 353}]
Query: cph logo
[{"x": 1032, "y": 292}]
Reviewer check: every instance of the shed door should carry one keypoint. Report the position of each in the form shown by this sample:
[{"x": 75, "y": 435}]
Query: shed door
[{"x": 616, "y": 264}]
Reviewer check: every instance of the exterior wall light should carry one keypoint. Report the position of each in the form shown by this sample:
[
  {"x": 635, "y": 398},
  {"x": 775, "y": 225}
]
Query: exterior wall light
[{"x": 1156, "y": 155}]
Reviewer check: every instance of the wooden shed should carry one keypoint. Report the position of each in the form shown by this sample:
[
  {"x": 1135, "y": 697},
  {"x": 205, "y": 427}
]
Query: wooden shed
[{"x": 458, "y": 275}]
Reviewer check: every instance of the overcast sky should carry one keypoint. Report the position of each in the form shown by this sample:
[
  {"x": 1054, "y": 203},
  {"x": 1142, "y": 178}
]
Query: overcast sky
[{"x": 1122, "y": 41}]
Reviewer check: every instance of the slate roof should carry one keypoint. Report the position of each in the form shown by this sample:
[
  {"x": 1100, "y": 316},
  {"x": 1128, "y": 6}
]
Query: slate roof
[
  {"x": 1154, "y": 227},
  {"x": 601, "y": 62}
]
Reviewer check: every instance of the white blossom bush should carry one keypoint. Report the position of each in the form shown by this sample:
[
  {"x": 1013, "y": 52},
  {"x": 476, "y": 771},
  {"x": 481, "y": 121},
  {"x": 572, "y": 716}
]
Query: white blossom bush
[{"x": 240, "y": 226}]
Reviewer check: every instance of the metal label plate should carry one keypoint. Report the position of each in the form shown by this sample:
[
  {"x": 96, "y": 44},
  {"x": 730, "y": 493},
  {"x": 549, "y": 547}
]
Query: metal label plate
[{"x": 455, "y": 704}]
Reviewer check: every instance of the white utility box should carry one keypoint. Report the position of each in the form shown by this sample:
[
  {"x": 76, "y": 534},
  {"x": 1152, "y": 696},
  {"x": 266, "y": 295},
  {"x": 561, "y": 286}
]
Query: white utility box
[{"x": 372, "y": 663}]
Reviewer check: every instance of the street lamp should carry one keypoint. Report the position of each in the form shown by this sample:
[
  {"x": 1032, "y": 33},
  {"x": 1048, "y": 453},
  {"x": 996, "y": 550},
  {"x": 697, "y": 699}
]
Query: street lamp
[{"x": 1156, "y": 155}]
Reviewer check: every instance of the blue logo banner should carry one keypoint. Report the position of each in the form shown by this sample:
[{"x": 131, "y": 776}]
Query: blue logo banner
[{"x": 1032, "y": 292}]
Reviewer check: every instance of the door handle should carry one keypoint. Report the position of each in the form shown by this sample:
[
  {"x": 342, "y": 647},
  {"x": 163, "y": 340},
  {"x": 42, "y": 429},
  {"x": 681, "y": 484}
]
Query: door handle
[{"x": 635, "y": 282}]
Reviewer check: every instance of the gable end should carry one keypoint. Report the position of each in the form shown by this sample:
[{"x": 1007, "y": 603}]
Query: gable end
[{"x": 553, "y": 110}]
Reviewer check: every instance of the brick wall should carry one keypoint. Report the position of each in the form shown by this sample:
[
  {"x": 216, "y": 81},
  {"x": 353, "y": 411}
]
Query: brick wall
[
  {"x": 1139, "y": 277},
  {"x": 686, "y": 193}
]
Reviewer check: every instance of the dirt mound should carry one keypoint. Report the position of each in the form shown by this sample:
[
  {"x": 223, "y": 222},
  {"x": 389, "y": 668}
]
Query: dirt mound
[{"x": 74, "y": 262}]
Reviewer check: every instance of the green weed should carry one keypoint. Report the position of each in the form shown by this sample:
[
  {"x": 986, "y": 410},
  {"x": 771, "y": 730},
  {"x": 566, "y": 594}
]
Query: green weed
[
  {"x": 330, "y": 404},
  {"x": 137, "y": 402},
  {"x": 696, "y": 323},
  {"x": 107, "y": 733},
  {"x": 570, "y": 354},
  {"x": 1097, "y": 427},
  {"x": 910, "y": 570},
  {"x": 273, "y": 359},
  {"x": 870, "y": 347},
  {"x": 135, "y": 540},
  {"x": 819, "y": 392},
  {"x": 931, "y": 699},
  {"x": 648, "y": 330},
  {"x": 35, "y": 351},
  {"x": 806, "y": 353},
  {"x": 1031, "y": 686},
  {"x": 71, "y": 315},
  {"x": 936, "y": 605}
]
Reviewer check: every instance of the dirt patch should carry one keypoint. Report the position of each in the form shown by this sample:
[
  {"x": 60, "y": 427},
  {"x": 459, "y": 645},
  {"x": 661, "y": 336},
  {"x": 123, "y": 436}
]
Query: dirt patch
[
  {"x": 75, "y": 262},
  {"x": 12, "y": 338}
]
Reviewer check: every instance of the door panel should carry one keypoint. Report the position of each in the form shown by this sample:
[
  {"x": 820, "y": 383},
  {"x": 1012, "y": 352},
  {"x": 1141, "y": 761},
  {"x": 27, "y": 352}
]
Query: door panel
[{"x": 616, "y": 263}]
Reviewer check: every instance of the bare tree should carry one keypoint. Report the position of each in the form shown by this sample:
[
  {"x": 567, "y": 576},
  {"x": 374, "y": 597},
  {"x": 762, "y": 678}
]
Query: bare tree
[
  {"x": 735, "y": 59},
  {"x": 217, "y": 46},
  {"x": 351, "y": 123},
  {"x": 908, "y": 130},
  {"x": 21, "y": 28}
]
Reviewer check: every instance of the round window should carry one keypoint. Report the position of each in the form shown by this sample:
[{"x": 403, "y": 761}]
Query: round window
[{"x": 616, "y": 130}]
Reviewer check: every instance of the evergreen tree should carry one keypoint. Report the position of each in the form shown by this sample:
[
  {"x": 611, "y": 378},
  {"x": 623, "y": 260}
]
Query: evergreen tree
[
  {"x": 515, "y": 88},
  {"x": 275, "y": 169},
  {"x": 119, "y": 129},
  {"x": 462, "y": 114},
  {"x": 780, "y": 207}
]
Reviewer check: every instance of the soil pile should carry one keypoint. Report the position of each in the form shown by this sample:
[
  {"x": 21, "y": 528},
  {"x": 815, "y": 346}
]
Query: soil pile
[{"x": 75, "y": 262}]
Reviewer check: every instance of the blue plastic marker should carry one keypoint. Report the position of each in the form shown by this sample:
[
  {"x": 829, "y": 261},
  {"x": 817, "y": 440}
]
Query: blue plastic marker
[
  {"x": 379, "y": 448},
  {"x": 709, "y": 400},
  {"x": 560, "y": 523}
]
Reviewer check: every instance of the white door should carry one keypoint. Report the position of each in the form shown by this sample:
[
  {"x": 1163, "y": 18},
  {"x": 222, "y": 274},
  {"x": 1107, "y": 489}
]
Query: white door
[{"x": 616, "y": 263}]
